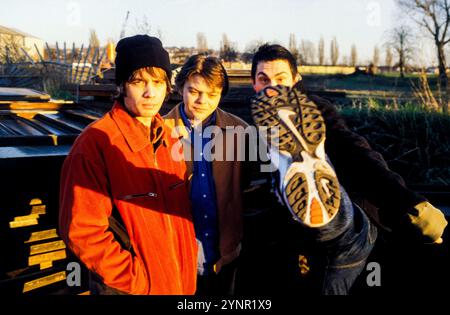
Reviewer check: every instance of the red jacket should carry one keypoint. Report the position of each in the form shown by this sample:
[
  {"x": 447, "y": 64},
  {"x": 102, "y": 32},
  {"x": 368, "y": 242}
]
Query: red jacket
[{"x": 112, "y": 164}]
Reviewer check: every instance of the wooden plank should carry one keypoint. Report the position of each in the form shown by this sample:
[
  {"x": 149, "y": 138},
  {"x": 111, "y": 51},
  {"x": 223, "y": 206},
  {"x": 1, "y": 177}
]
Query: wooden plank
[
  {"x": 84, "y": 63},
  {"x": 44, "y": 281},
  {"x": 23, "y": 223},
  {"x": 28, "y": 56},
  {"x": 99, "y": 62},
  {"x": 35, "y": 202},
  {"x": 74, "y": 79},
  {"x": 40, "y": 56},
  {"x": 90, "y": 89},
  {"x": 10, "y": 107},
  {"x": 49, "y": 52},
  {"x": 57, "y": 53},
  {"x": 97, "y": 50},
  {"x": 65, "y": 53},
  {"x": 71, "y": 63},
  {"x": 42, "y": 235},
  {"x": 39, "y": 209},
  {"x": 47, "y": 247},
  {"x": 42, "y": 258}
]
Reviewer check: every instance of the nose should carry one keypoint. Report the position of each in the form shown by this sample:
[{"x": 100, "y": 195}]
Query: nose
[
  {"x": 273, "y": 82},
  {"x": 201, "y": 98},
  {"x": 149, "y": 90}
]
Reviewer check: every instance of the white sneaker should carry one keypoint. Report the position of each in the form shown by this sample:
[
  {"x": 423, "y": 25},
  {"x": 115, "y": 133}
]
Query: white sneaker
[{"x": 307, "y": 183}]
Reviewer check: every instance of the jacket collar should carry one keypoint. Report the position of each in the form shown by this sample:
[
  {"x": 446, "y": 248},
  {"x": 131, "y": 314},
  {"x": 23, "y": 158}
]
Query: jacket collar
[{"x": 135, "y": 133}]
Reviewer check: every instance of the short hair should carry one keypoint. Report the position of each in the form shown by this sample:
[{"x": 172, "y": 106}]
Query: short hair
[
  {"x": 210, "y": 68},
  {"x": 155, "y": 72},
  {"x": 273, "y": 52}
]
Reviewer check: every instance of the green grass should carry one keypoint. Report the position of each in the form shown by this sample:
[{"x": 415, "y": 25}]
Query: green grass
[
  {"x": 407, "y": 75},
  {"x": 383, "y": 83},
  {"x": 415, "y": 142}
]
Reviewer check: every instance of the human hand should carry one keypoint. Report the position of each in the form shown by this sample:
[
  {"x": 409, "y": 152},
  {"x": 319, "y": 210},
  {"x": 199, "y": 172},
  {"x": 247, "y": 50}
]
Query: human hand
[{"x": 428, "y": 222}]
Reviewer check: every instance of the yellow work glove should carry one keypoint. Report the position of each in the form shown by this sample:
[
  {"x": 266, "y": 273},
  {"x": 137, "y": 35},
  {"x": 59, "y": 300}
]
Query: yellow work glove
[{"x": 428, "y": 221}]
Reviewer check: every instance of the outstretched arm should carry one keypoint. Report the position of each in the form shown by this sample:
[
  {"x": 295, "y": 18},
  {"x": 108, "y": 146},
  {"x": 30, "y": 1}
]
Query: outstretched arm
[{"x": 361, "y": 169}]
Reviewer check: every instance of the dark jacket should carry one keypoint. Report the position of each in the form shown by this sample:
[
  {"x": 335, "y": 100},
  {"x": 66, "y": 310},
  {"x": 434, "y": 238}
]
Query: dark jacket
[{"x": 364, "y": 172}]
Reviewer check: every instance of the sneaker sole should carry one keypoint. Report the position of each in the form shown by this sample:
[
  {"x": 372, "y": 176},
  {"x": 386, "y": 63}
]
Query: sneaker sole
[{"x": 308, "y": 183}]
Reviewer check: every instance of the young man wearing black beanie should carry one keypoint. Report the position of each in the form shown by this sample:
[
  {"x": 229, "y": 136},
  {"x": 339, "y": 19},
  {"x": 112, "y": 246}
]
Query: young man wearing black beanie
[{"x": 124, "y": 207}]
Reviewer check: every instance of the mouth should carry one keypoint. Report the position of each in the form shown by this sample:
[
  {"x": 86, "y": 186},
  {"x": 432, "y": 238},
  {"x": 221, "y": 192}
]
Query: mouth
[
  {"x": 200, "y": 109},
  {"x": 148, "y": 106}
]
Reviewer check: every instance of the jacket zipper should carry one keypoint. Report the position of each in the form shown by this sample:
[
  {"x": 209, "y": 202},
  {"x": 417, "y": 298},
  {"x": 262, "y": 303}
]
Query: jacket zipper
[{"x": 169, "y": 218}]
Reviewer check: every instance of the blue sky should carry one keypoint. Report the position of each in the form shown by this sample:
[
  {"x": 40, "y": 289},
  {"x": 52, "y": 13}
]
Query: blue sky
[{"x": 362, "y": 22}]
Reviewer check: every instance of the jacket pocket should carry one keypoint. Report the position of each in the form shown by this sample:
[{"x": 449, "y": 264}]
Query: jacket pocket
[
  {"x": 134, "y": 196},
  {"x": 117, "y": 227}
]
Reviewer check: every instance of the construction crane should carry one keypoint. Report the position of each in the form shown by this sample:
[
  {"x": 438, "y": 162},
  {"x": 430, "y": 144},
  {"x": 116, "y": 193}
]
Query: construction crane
[{"x": 124, "y": 25}]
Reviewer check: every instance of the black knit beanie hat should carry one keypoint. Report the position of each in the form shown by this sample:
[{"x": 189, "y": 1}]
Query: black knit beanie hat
[{"x": 139, "y": 51}]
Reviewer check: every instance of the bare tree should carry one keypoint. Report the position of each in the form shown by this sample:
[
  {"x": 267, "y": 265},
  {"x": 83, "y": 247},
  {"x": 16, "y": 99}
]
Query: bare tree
[
  {"x": 124, "y": 25},
  {"x": 227, "y": 49},
  {"x": 202, "y": 43},
  {"x": 376, "y": 56},
  {"x": 159, "y": 34},
  {"x": 345, "y": 60},
  {"x": 354, "y": 56},
  {"x": 321, "y": 51},
  {"x": 293, "y": 46},
  {"x": 434, "y": 17},
  {"x": 401, "y": 41},
  {"x": 250, "y": 50},
  {"x": 94, "y": 42},
  {"x": 389, "y": 57},
  {"x": 143, "y": 26},
  {"x": 334, "y": 52},
  {"x": 307, "y": 52}
]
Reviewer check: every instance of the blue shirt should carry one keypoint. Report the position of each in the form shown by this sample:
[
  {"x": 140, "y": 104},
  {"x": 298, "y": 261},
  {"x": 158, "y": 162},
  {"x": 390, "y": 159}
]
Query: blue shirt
[{"x": 203, "y": 198}]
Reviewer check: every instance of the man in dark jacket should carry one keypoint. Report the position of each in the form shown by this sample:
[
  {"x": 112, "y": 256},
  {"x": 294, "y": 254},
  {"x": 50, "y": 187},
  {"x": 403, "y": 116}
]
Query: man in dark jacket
[{"x": 312, "y": 173}]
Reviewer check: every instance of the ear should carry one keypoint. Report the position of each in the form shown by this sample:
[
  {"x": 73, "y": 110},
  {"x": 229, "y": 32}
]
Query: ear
[
  {"x": 297, "y": 78},
  {"x": 179, "y": 91},
  {"x": 122, "y": 89},
  {"x": 253, "y": 83}
]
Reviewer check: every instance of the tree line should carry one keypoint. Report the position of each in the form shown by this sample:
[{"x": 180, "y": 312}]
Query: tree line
[{"x": 306, "y": 52}]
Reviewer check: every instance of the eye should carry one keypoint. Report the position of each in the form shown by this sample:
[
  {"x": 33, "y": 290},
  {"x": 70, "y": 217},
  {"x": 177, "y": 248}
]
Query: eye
[
  {"x": 138, "y": 82},
  {"x": 158, "y": 82},
  {"x": 213, "y": 94}
]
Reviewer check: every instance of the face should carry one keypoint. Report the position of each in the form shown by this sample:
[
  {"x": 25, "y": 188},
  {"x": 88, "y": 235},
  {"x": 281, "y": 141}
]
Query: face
[
  {"x": 272, "y": 73},
  {"x": 145, "y": 94},
  {"x": 200, "y": 99}
]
